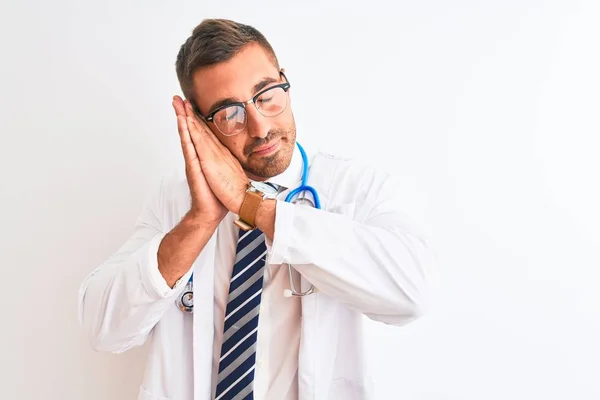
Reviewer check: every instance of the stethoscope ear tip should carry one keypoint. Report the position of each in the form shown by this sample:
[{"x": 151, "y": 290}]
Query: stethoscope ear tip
[{"x": 287, "y": 293}]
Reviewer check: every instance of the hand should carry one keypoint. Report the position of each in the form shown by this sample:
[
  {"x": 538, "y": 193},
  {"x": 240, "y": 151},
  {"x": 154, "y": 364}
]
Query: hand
[
  {"x": 205, "y": 206},
  {"x": 222, "y": 170}
]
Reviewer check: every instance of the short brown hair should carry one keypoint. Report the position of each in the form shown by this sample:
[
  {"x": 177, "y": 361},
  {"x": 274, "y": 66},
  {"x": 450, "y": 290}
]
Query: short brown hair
[{"x": 214, "y": 41}]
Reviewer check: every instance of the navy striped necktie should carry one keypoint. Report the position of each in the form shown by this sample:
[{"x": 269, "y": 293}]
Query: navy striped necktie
[{"x": 240, "y": 331}]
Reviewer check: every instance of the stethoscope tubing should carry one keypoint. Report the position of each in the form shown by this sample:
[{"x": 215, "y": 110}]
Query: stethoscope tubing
[{"x": 303, "y": 186}]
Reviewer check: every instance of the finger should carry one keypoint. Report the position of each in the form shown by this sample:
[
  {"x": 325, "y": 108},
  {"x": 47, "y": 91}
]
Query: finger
[
  {"x": 203, "y": 128},
  {"x": 189, "y": 110},
  {"x": 197, "y": 134},
  {"x": 178, "y": 106},
  {"x": 194, "y": 122},
  {"x": 208, "y": 148},
  {"x": 187, "y": 146},
  {"x": 206, "y": 144}
]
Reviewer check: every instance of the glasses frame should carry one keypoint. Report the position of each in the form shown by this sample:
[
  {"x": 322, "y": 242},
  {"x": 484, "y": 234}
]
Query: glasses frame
[{"x": 210, "y": 117}]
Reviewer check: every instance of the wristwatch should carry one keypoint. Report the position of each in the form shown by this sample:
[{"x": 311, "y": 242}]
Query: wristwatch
[{"x": 256, "y": 193}]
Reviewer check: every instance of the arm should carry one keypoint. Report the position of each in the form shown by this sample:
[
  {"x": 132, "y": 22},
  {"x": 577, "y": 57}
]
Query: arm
[
  {"x": 179, "y": 248},
  {"x": 123, "y": 299},
  {"x": 375, "y": 263}
]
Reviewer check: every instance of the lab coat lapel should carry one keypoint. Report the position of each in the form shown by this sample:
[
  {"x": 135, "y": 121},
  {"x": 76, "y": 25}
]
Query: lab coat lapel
[
  {"x": 203, "y": 331},
  {"x": 308, "y": 339},
  {"x": 310, "y": 356}
]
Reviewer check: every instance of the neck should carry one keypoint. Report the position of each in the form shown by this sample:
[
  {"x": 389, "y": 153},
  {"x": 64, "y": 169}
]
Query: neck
[{"x": 255, "y": 178}]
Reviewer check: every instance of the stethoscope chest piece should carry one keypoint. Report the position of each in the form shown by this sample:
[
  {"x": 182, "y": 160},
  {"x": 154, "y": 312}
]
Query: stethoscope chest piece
[
  {"x": 186, "y": 300},
  {"x": 303, "y": 201}
]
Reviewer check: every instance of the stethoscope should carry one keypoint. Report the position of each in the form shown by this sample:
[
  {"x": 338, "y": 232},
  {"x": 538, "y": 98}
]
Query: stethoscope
[
  {"x": 292, "y": 292},
  {"x": 186, "y": 301}
]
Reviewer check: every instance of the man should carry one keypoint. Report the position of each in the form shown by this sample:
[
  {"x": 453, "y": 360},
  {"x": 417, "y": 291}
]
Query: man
[{"x": 224, "y": 232}]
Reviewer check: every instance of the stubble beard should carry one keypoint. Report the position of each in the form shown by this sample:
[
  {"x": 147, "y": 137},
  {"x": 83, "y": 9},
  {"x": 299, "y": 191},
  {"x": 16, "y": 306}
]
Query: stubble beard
[{"x": 269, "y": 166}]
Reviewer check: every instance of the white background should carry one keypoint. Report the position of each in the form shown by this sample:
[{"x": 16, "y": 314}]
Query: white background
[{"x": 487, "y": 109}]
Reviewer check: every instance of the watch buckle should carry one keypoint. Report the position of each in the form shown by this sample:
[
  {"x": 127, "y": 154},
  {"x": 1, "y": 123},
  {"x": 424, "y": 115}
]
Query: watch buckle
[{"x": 242, "y": 225}]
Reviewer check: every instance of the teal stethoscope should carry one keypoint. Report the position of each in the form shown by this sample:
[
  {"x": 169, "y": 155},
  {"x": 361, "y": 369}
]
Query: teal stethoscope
[{"x": 186, "y": 300}]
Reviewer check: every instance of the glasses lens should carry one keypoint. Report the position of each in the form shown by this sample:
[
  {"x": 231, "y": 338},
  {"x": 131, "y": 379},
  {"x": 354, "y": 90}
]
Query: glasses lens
[
  {"x": 230, "y": 120},
  {"x": 272, "y": 102}
]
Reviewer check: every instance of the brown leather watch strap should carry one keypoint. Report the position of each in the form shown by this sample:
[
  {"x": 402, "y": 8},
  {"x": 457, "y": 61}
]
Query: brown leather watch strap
[{"x": 247, "y": 220}]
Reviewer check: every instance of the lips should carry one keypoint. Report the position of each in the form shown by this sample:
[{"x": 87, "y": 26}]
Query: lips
[{"x": 266, "y": 149}]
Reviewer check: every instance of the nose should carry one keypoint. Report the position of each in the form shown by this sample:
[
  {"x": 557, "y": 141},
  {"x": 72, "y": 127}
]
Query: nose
[{"x": 257, "y": 125}]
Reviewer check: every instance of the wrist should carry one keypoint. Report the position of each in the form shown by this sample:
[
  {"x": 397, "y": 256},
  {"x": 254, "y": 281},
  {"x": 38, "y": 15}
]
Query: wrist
[
  {"x": 265, "y": 217},
  {"x": 201, "y": 221},
  {"x": 239, "y": 201}
]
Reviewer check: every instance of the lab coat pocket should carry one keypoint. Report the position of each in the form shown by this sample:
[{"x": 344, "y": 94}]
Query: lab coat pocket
[{"x": 145, "y": 395}]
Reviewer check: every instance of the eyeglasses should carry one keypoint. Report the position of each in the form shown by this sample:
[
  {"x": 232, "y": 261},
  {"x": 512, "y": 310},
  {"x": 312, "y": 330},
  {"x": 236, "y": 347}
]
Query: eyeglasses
[{"x": 231, "y": 119}]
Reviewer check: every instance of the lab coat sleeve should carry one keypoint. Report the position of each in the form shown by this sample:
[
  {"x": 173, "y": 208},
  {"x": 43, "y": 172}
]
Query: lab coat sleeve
[
  {"x": 123, "y": 299},
  {"x": 366, "y": 255}
]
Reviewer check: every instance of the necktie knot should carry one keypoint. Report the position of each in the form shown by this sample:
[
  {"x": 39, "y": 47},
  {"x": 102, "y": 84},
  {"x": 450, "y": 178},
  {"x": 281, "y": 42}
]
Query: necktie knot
[{"x": 277, "y": 189}]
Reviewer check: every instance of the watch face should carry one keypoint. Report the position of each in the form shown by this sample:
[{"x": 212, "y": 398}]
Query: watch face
[{"x": 264, "y": 187}]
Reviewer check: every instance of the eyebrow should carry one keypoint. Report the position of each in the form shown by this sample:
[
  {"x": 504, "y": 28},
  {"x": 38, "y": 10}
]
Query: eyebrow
[{"x": 229, "y": 100}]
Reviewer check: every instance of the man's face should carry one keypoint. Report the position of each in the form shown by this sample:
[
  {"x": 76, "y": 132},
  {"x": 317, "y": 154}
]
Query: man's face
[{"x": 265, "y": 146}]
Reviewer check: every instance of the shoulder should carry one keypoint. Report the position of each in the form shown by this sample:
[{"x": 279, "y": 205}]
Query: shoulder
[
  {"x": 340, "y": 167},
  {"x": 349, "y": 179},
  {"x": 171, "y": 189},
  {"x": 170, "y": 180}
]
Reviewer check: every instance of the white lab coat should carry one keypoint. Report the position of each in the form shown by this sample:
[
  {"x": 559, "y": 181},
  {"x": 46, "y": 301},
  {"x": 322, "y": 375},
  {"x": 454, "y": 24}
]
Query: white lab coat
[{"x": 362, "y": 254}]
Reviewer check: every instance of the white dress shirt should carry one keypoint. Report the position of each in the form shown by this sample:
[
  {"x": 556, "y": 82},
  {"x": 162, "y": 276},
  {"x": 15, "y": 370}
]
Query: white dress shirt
[{"x": 276, "y": 368}]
